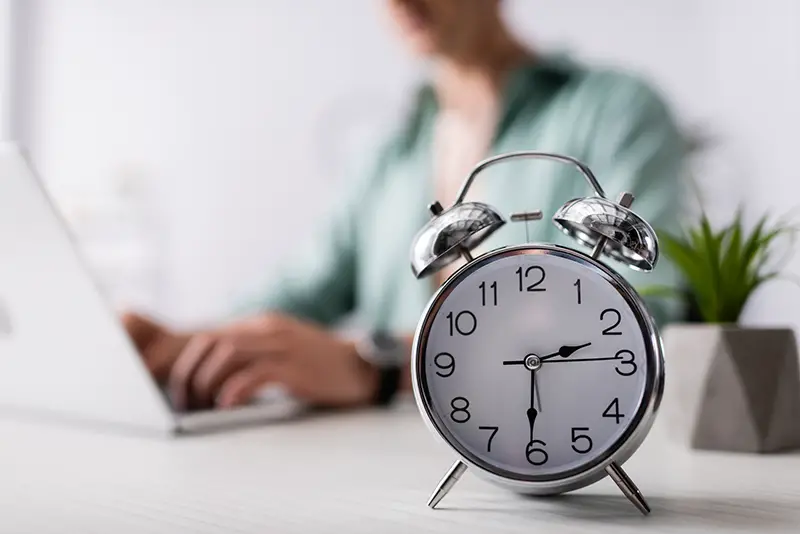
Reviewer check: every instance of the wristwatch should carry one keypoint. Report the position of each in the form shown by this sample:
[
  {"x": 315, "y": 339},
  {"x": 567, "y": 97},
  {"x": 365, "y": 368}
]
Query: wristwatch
[{"x": 388, "y": 355}]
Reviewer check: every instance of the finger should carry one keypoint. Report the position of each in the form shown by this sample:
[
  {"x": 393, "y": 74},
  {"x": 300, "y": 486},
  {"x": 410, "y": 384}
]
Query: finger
[
  {"x": 273, "y": 346},
  {"x": 141, "y": 330},
  {"x": 241, "y": 386},
  {"x": 155, "y": 344},
  {"x": 224, "y": 360},
  {"x": 180, "y": 377},
  {"x": 162, "y": 352}
]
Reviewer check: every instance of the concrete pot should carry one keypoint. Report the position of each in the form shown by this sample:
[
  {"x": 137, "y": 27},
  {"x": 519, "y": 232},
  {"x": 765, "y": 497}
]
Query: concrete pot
[{"x": 732, "y": 389}]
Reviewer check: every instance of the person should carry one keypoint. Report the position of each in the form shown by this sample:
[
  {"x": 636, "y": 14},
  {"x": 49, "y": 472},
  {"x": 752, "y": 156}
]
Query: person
[{"x": 487, "y": 94}]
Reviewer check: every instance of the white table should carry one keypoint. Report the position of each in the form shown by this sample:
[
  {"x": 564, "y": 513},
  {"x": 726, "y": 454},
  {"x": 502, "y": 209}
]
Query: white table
[{"x": 368, "y": 472}]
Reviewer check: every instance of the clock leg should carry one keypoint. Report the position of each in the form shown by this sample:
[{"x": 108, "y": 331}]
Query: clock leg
[
  {"x": 447, "y": 483},
  {"x": 628, "y": 487}
]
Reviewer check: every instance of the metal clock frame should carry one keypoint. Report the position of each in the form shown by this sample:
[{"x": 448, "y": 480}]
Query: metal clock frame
[{"x": 610, "y": 462}]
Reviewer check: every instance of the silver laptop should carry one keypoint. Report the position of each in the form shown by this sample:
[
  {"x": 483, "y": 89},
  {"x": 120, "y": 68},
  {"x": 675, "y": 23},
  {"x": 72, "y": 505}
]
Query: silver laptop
[{"x": 63, "y": 351}]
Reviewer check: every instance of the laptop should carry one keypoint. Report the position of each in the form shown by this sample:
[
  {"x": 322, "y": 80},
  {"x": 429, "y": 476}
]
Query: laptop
[{"x": 63, "y": 351}]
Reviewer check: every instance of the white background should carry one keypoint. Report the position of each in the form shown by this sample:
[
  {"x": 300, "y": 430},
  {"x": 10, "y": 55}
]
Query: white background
[
  {"x": 234, "y": 117},
  {"x": 5, "y": 68}
]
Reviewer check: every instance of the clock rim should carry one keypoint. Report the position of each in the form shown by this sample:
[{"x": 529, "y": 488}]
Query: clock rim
[{"x": 620, "y": 451}]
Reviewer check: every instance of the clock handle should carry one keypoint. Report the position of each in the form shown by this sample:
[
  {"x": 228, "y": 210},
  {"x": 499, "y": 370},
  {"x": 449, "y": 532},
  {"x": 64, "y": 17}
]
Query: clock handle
[
  {"x": 628, "y": 487},
  {"x": 447, "y": 483},
  {"x": 586, "y": 171}
]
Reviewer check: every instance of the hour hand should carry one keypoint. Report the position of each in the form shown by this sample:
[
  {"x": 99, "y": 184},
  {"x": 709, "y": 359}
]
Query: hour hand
[{"x": 565, "y": 351}]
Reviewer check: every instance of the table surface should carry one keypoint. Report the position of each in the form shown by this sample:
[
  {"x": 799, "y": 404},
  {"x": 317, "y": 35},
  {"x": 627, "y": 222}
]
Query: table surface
[{"x": 367, "y": 471}]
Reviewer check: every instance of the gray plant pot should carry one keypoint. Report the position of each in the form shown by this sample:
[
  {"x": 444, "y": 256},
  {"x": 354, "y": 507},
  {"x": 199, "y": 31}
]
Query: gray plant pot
[{"x": 732, "y": 389}]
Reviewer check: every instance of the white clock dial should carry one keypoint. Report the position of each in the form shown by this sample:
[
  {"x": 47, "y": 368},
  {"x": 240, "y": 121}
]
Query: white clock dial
[{"x": 533, "y": 364}]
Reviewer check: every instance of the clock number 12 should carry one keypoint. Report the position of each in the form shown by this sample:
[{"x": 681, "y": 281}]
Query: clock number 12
[{"x": 527, "y": 272}]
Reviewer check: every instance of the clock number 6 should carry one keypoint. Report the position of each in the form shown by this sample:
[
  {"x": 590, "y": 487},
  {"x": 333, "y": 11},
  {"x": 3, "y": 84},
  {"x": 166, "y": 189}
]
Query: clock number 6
[
  {"x": 536, "y": 456},
  {"x": 627, "y": 361}
]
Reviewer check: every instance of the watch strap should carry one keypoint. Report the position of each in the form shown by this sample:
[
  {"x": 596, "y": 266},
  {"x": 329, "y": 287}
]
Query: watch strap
[
  {"x": 388, "y": 385},
  {"x": 385, "y": 353}
]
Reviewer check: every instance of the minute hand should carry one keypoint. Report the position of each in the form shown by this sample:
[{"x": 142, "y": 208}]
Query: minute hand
[
  {"x": 584, "y": 359},
  {"x": 565, "y": 351}
]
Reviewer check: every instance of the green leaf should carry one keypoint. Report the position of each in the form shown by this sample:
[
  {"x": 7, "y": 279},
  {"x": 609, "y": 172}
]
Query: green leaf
[
  {"x": 722, "y": 268},
  {"x": 659, "y": 291},
  {"x": 691, "y": 263}
]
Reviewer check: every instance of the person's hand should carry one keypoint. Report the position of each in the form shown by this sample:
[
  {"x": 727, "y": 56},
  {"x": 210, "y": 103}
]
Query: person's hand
[
  {"x": 228, "y": 366},
  {"x": 158, "y": 346}
]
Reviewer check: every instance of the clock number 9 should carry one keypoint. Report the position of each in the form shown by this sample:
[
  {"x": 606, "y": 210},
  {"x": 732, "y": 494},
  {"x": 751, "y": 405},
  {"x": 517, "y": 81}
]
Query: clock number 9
[
  {"x": 464, "y": 323},
  {"x": 460, "y": 414},
  {"x": 627, "y": 362},
  {"x": 534, "y": 455},
  {"x": 449, "y": 367}
]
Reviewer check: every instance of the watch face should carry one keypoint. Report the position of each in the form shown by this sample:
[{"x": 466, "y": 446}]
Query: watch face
[{"x": 534, "y": 364}]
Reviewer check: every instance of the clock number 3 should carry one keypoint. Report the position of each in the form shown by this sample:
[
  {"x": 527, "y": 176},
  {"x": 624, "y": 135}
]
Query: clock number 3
[{"x": 627, "y": 366}]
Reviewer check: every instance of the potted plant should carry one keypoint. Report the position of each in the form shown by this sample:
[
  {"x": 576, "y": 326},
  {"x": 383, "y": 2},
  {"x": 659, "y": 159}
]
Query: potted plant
[{"x": 729, "y": 387}]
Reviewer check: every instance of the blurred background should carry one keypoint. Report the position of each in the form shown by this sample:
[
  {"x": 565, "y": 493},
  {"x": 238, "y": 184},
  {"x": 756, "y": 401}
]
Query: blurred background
[{"x": 191, "y": 143}]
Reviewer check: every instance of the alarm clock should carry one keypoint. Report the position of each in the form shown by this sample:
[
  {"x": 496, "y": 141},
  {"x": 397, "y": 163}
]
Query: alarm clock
[{"x": 537, "y": 364}]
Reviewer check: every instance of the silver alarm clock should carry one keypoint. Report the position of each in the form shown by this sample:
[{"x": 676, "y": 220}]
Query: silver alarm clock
[{"x": 537, "y": 364}]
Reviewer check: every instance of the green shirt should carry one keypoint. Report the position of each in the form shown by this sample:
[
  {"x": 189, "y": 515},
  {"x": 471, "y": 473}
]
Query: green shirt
[{"x": 358, "y": 262}]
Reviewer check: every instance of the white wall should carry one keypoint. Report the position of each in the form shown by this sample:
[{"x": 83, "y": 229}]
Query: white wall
[
  {"x": 755, "y": 105},
  {"x": 5, "y": 68},
  {"x": 230, "y": 111},
  {"x": 233, "y": 113}
]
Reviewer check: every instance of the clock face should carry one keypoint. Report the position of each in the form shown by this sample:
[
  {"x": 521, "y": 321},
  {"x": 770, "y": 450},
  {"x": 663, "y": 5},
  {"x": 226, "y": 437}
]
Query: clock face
[{"x": 534, "y": 365}]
